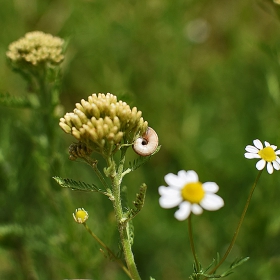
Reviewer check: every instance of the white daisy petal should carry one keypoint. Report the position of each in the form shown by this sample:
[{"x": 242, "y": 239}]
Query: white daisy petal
[
  {"x": 251, "y": 155},
  {"x": 210, "y": 187},
  {"x": 278, "y": 160},
  {"x": 260, "y": 164},
  {"x": 277, "y": 152},
  {"x": 184, "y": 211},
  {"x": 196, "y": 209},
  {"x": 258, "y": 144},
  {"x": 251, "y": 149},
  {"x": 191, "y": 176},
  {"x": 273, "y": 147},
  {"x": 169, "y": 202},
  {"x": 276, "y": 165},
  {"x": 212, "y": 202},
  {"x": 266, "y": 143},
  {"x": 174, "y": 180},
  {"x": 168, "y": 191},
  {"x": 269, "y": 168},
  {"x": 183, "y": 175}
]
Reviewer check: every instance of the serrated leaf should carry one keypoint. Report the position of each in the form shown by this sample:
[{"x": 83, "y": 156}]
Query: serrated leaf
[
  {"x": 139, "y": 202},
  {"x": 77, "y": 185},
  {"x": 141, "y": 160}
]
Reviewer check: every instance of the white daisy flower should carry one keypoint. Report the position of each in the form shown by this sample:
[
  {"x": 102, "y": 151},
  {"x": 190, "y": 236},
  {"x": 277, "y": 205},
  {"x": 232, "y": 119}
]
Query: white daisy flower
[
  {"x": 189, "y": 194},
  {"x": 267, "y": 155}
]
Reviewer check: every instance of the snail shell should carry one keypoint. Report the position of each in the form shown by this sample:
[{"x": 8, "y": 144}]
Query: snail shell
[{"x": 147, "y": 144}]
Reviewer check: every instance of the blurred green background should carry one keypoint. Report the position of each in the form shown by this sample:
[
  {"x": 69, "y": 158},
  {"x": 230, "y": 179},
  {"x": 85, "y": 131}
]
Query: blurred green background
[{"x": 205, "y": 74}]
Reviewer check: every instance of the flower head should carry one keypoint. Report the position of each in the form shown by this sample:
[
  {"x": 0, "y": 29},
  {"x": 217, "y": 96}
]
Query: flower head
[
  {"x": 189, "y": 194},
  {"x": 36, "y": 48},
  {"x": 268, "y": 155},
  {"x": 80, "y": 216},
  {"x": 102, "y": 122}
]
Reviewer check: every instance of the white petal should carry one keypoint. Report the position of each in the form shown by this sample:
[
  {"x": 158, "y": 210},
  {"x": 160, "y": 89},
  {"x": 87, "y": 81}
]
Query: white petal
[
  {"x": 260, "y": 164},
  {"x": 191, "y": 176},
  {"x": 273, "y": 147},
  {"x": 210, "y": 187},
  {"x": 276, "y": 165},
  {"x": 277, "y": 152},
  {"x": 269, "y": 168},
  {"x": 174, "y": 180},
  {"x": 184, "y": 211},
  {"x": 251, "y": 149},
  {"x": 169, "y": 202},
  {"x": 183, "y": 175},
  {"x": 196, "y": 209},
  {"x": 251, "y": 155},
  {"x": 267, "y": 144},
  {"x": 212, "y": 202},
  {"x": 169, "y": 191},
  {"x": 258, "y": 144},
  {"x": 278, "y": 159}
]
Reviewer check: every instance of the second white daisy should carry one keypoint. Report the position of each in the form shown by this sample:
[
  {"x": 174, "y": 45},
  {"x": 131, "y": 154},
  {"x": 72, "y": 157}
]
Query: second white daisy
[
  {"x": 267, "y": 155},
  {"x": 185, "y": 190}
]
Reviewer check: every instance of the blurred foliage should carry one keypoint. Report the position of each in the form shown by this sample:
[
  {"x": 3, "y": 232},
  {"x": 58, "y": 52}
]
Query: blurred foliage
[{"x": 206, "y": 76}]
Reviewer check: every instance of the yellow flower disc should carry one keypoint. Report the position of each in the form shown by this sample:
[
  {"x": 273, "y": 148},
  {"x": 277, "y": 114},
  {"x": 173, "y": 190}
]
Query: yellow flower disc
[
  {"x": 193, "y": 192},
  {"x": 267, "y": 154},
  {"x": 80, "y": 216}
]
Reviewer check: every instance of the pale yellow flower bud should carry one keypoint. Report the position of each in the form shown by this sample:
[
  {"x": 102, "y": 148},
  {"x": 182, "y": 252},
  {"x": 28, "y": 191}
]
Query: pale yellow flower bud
[{"x": 65, "y": 127}]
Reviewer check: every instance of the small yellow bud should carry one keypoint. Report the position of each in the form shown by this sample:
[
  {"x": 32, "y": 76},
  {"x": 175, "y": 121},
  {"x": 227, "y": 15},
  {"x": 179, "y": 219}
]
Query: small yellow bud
[{"x": 80, "y": 216}]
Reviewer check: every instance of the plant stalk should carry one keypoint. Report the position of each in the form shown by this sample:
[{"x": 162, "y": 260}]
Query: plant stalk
[
  {"x": 116, "y": 179},
  {"x": 192, "y": 242},
  {"x": 238, "y": 226},
  {"x": 119, "y": 262}
]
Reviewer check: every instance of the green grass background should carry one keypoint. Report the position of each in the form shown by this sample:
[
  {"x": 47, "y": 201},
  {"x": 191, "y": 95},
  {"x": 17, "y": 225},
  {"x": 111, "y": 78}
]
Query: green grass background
[{"x": 207, "y": 100}]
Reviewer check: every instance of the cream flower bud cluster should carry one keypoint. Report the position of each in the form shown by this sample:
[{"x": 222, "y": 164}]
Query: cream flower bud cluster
[
  {"x": 102, "y": 122},
  {"x": 35, "y": 48}
]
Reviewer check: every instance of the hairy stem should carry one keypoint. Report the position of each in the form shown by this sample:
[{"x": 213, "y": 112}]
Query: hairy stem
[{"x": 116, "y": 179}]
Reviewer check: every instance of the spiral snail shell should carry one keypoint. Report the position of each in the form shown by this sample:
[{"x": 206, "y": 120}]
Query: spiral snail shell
[{"x": 147, "y": 144}]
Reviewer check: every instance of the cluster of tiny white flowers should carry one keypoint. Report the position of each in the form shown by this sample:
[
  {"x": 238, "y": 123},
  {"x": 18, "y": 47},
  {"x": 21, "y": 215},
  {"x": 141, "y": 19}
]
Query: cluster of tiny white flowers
[{"x": 35, "y": 48}]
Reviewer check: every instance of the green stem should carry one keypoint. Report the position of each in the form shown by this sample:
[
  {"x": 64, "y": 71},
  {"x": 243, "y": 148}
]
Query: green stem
[
  {"x": 192, "y": 243},
  {"x": 99, "y": 175},
  {"x": 119, "y": 262},
  {"x": 239, "y": 224},
  {"x": 123, "y": 226}
]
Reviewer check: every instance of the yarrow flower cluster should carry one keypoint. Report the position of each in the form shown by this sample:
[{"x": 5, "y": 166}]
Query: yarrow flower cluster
[
  {"x": 102, "y": 122},
  {"x": 80, "y": 216},
  {"x": 189, "y": 194},
  {"x": 268, "y": 155},
  {"x": 36, "y": 48}
]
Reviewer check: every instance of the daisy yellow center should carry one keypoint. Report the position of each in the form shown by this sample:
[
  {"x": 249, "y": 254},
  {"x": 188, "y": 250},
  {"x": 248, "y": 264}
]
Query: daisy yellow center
[
  {"x": 193, "y": 192},
  {"x": 267, "y": 154},
  {"x": 81, "y": 214}
]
